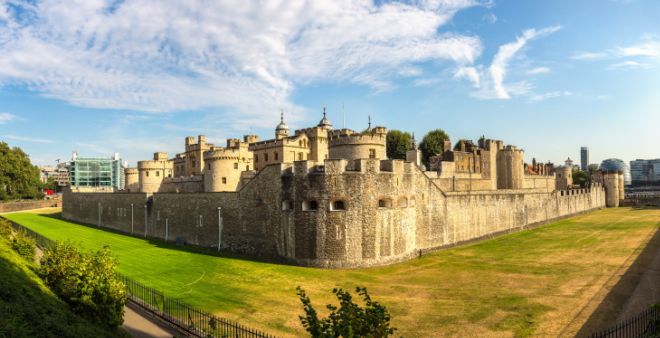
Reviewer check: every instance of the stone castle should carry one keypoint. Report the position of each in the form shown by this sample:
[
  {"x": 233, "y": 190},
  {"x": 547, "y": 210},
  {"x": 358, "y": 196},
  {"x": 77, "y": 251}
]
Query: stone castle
[{"x": 329, "y": 197}]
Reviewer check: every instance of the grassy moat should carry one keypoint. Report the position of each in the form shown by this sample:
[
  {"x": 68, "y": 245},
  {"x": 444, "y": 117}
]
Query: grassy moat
[{"x": 541, "y": 282}]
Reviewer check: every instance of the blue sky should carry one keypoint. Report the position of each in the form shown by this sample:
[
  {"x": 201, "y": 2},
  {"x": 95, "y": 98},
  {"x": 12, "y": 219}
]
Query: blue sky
[{"x": 137, "y": 76}]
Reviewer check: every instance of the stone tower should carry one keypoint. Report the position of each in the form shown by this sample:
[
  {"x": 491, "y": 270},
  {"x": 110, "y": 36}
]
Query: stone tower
[
  {"x": 510, "y": 168},
  {"x": 414, "y": 155},
  {"x": 132, "y": 180},
  {"x": 613, "y": 190}
]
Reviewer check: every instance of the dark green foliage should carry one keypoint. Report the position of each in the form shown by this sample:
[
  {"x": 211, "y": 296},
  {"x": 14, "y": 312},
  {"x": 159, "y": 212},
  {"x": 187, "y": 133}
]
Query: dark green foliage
[
  {"x": 433, "y": 144},
  {"x": 349, "y": 319},
  {"x": 580, "y": 177},
  {"x": 24, "y": 245},
  {"x": 29, "y": 309},
  {"x": 18, "y": 177},
  {"x": 398, "y": 142},
  {"x": 86, "y": 281}
]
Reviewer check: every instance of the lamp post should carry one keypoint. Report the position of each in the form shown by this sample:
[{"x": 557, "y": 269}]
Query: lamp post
[
  {"x": 145, "y": 221},
  {"x": 99, "y": 215},
  {"x": 131, "y": 218},
  {"x": 219, "y": 228},
  {"x": 167, "y": 228}
]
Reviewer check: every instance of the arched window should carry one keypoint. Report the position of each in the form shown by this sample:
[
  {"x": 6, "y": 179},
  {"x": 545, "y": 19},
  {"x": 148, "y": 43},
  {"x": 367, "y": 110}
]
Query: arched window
[
  {"x": 337, "y": 205},
  {"x": 277, "y": 156},
  {"x": 310, "y": 205}
]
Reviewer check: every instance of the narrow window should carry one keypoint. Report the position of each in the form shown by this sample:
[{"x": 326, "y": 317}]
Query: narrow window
[
  {"x": 372, "y": 153},
  {"x": 310, "y": 205},
  {"x": 300, "y": 156},
  {"x": 208, "y": 166},
  {"x": 235, "y": 165},
  {"x": 384, "y": 203},
  {"x": 157, "y": 173},
  {"x": 147, "y": 174},
  {"x": 247, "y": 167},
  {"x": 266, "y": 157},
  {"x": 224, "y": 180},
  {"x": 403, "y": 202},
  {"x": 337, "y": 205},
  {"x": 256, "y": 158},
  {"x": 286, "y": 205},
  {"x": 276, "y": 155}
]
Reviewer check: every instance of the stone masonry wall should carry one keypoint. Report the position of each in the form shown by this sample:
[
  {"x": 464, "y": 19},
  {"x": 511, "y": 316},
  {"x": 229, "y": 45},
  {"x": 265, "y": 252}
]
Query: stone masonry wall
[{"x": 335, "y": 213}]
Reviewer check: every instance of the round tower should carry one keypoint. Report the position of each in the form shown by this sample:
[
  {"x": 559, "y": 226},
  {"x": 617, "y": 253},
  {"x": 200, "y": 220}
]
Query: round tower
[
  {"x": 282, "y": 130},
  {"x": 611, "y": 183},
  {"x": 563, "y": 177},
  {"x": 350, "y": 145},
  {"x": 222, "y": 171},
  {"x": 510, "y": 168},
  {"x": 150, "y": 175},
  {"x": 131, "y": 180}
]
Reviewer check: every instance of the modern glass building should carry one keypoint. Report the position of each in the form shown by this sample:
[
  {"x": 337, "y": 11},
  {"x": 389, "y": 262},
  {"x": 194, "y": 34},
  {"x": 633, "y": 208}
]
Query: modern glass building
[
  {"x": 96, "y": 172},
  {"x": 615, "y": 164},
  {"x": 645, "y": 171},
  {"x": 584, "y": 159}
]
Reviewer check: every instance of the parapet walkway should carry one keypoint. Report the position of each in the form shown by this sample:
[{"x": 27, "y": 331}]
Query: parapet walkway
[{"x": 140, "y": 325}]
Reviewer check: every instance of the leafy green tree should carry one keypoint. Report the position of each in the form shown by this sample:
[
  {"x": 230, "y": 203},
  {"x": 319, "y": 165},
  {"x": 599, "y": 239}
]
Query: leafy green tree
[
  {"x": 593, "y": 168},
  {"x": 18, "y": 177},
  {"x": 433, "y": 144},
  {"x": 580, "y": 177},
  {"x": 88, "y": 282},
  {"x": 349, "y": 319},
  {"x": 398, "y": 143}
]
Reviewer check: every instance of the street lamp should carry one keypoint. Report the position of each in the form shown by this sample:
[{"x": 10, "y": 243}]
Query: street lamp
[{"x": 219, "y": 228}]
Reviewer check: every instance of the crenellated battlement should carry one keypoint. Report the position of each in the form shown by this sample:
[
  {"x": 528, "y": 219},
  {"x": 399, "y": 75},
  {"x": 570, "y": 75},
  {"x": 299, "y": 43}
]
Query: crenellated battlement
[{"x": 374, "y": 136}]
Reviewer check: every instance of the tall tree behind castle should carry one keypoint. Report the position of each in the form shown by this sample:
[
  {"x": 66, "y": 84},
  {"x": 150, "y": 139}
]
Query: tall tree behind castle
[
  {"x": 398, "y": 142},
  {"x": 433, "y": 144},
  {"x": 18, "y": 177}
]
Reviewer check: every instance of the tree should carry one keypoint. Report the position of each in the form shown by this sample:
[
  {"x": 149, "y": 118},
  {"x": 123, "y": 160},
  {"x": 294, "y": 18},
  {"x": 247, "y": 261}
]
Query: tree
[
  {"x": 398, "y": 143},
  {"x": 349, "y": 319},
  {"x": 433, "y": 144},
  {"x": 18, "y": 177},
  {"x": 593, "y": 168},
  {"x": 580, "y": 177}
]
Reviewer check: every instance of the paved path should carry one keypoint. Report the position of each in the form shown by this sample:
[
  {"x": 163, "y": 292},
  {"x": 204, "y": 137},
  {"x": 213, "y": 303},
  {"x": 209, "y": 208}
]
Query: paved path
[{"x": 140, "y": 326}]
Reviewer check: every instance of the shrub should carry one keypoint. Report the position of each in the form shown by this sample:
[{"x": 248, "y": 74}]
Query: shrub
[
  {"x": 24, "y": 245},
  {"x": 88, "y": 282},
  {"x": 5, "y": 228},
  {"x": 349, "y": 320}
]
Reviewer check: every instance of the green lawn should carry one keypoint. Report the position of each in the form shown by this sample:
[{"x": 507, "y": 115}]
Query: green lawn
[{"x": 528, "y": 283}]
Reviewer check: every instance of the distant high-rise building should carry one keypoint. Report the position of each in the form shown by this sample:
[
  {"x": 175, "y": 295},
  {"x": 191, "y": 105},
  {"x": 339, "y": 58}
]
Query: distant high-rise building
[
  {"x": 645, "y": 171},
  {"x": 584, "y": 158}
]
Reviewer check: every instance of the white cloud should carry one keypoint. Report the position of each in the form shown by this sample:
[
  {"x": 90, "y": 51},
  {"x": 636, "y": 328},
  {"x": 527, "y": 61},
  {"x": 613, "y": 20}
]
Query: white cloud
[
  {"x": 159, "y": 56},
  {"x": 6, "y": 117},
  {"x": 538, "y": 70},
  {"x": 589, "y": 55},
  {"x": 490, "y": 81},
  {"x": 648, "y": 48},
  {"x": 629, "y": 65},
  {"x": 490, "y": 18},
  {"x": 26, "y": 139},
  {"x": 469, "y": 73},
  {"x": 550, "y": 95}
]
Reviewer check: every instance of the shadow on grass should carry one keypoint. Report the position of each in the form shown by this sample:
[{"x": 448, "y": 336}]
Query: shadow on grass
[
  {"x": 612, "y": 306},
  {"x": 160, "y": 243}
]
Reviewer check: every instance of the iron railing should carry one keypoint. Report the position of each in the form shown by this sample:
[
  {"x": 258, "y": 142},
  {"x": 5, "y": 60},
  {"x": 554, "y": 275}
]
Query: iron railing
[
  {"x": 193, "y": 321},
  {"x": 644, "y": 324}
]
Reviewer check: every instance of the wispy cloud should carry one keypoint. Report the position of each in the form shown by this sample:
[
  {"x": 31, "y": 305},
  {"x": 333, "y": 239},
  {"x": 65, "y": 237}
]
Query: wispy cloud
[
  {"x": 643, "y": 54},
  {"x": 629, "y": 65},
  {"x": 550, "y": 95},
  {"x": 26, "y": 139},
  {"x": 538, "y": 70},
  {"x": 139, "y": 55},
  {"x": 490, "y": 81},
  {"x": 6, "y": 117}
]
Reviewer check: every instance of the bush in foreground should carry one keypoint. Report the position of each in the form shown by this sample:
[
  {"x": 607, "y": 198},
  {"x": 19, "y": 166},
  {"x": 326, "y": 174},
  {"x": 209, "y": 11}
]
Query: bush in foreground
[
  {"x": 86, "y": 281},
  {"x": 24, "y": 245},
  {"x": 5, "y": 228},
  {"x": 349, "y": 320}
]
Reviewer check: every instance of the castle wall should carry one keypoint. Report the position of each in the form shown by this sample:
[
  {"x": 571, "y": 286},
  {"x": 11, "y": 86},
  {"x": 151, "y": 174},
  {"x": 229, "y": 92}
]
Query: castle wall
[{"x": 335, "y": 213}]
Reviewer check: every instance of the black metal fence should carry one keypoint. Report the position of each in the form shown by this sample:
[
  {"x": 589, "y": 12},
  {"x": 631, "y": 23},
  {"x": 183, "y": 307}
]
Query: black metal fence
[
  {"x": 191, "y": 320},
  {"x": 644, "y": 324}
]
